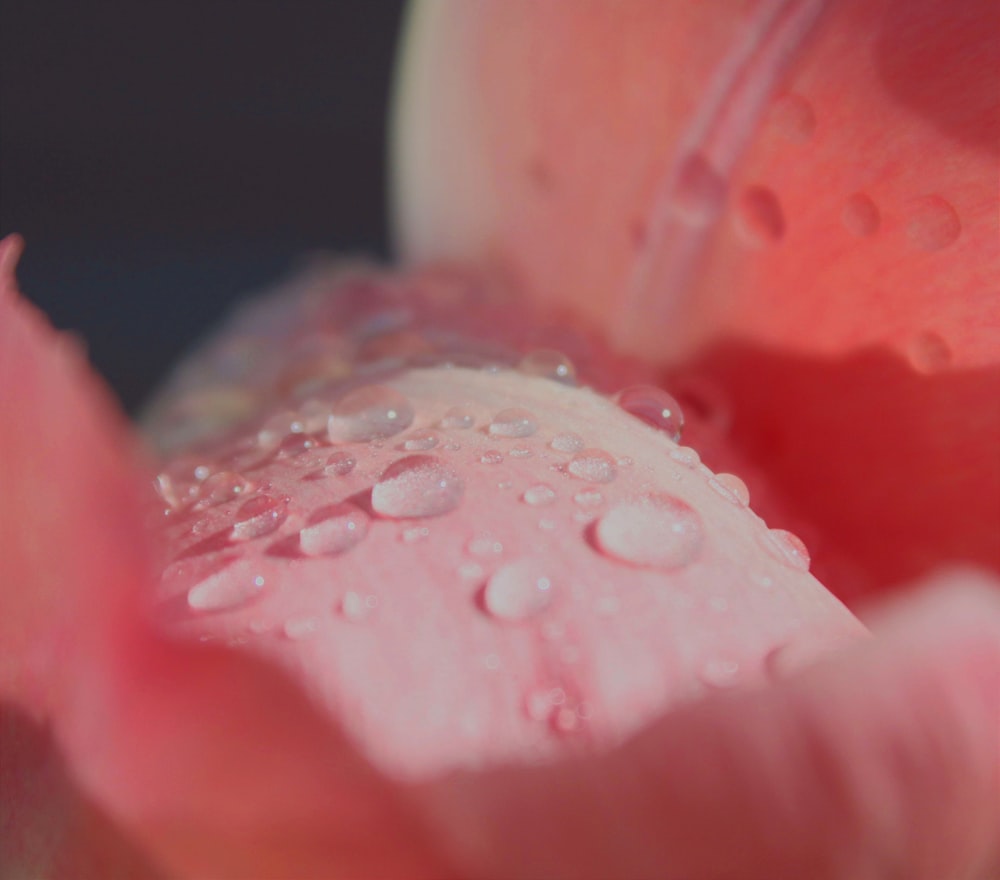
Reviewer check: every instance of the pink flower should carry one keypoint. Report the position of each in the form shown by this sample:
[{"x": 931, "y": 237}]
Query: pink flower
[{"x": 397, "y": 618}]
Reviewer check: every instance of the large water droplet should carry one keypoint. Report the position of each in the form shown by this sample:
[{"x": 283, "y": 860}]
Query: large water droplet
[
  {"x": 421, "y": 441},
  {"x": 458, "y": 418},
  {"x": 223, "y": 590},
  {"x": 513, "y": 422},
  {"x": 761, "y": 220},
  {"x": 258, "y": 517},
  {"x": 934, "y": 224},
  {"x": 730, "y": 487},
  {"x": 656, "y": 531},
  {"x": 567, "y": 442},
  {"x": 787, "y": 547},
  {"x": 699, "y": 192},
  {"x": 369, "y": 413},
  {"x": 593, "y": 465},
  {"x": 334, "y": 529},
  {"x": 549, "y": 364},
  {"x": 860, "y": 215},
  {"x": 340, "y": 464},
  {"x": 221, "y": 487},
  {"x": 539, "y": 495},
  {"x": 653, "y": 406},
  {"x": 518, "y": 591},
  {"x": 484, "y": 545},
  {"x": 416, "y": 486}
]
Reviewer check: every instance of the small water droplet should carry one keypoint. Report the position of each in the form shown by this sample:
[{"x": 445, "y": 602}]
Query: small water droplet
[
  {"x": 549, "y": 364},
  {"x": 539, "y": 495},
  {"x": 421, "y": 441},
  {"x": 258, "y": 517},
  {"x": 224, "y": 589},
  {"x": 513, "y": 422},
  {"x": 699, "y": 192},
  {"x": 656, "y": 531},
  {"x": 538, "y": 705},
  {"x": 566, "y": 720},
  {"x": 369, "y": 413},
  {"x": 491, "y": 661},
  {"x": 222, "y": 487},
  {"x": 340, "y": 464},
  {"x": 298, "y": 628},
  {"x": 860, "y": 215},
  {"x": 787, "y": 547},
  {"x": 930, "y": 353},
  {"x": 470, "y": 572},
  {"x": 333, "y": 530},
  {"x": 491, "y": 456},
  {"x": 518, "y": 591},
  {"x": 589, "y": 498},
  {"x": 314, "y": 416},
  {"x": 934, "y": 224},
  {"x": 760, "y": 218},
  {"x": 458, "y": 418},
  {"x": 354, "y": 608},
  {"x": 520, "y": 452},
  {"x": 730, "y": 487},
  {"x": 793, "y": 117},
  {"x": 276, "y": 429},
  {"x": 484, "y": 545},
  {"x": 653, "y": 406},
  {"x": 593, "y": 465},
  {"x": 720, "y": 673},
  {"x": 686, "y": 456},
  {"x": 567, "y": 442},
  {"x": 415, "y": 534},
  {"x": 417, "y": 486},
  {"x": 546, "y": 524}
]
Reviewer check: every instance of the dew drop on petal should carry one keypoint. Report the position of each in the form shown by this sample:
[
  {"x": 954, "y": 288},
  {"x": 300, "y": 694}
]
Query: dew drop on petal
[
  {"x": 298, "y": 628},
  {"x": 354, "y": 608},
  {"x": 421, "y": 441},
  {"x": 760, "y": 217},
  {"x": 686, "y": 456},
  {"x": 655, "y": 531},
  {"x": 513, "y": 422},
  {"x": 223, "y": 590},
  {"x": 221, "y": 487},
  {"x": 934, "y": 223},
  {"x": 655, "y": 407},
  {"x": 589, "y": 498},
  {"x": 929, "y": 352},
  {"x": 258, "y": 517},
  {"x": 458, "y": 418},
  {"x": 417, "y": 486},
  {"x": 276, "y": 429},
  {"x": 787, "y": 547},
  {"x": 333, "y": 530},
  {"x": 491, "y": 456},
  {"x": 415, "y": 534},
  {"x": 369, "y": 413},
  {"x": 539, "y": 495},
  {"x": 518, "y": 591},
  {"x": 593, "y": 465},
  {"x": 730, "y": 487},
  {"x": 548, "y": 364},
  {"x": 720, "y": 673},
  {"x": 484, "y": 545},
  {"x": 860, "y": 215},
  {"x": 567, "y": 442},
  {"x": 340, "y": 464}
]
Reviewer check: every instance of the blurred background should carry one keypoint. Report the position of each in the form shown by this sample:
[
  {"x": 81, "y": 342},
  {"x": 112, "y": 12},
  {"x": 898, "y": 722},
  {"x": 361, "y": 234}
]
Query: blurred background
[{"x": 163, "y": 159}]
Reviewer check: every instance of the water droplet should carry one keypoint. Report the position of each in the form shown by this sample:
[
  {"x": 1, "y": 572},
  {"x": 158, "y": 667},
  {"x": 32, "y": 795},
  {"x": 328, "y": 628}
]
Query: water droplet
[
  {"x": 484, "y": 545},
  {"x": 258, "y": 517},
  {"x": 656, "y": 531},
  {"x": 720, "y": 673},
  {"x": 513, "y": 422},
  {"x": 760, "y": 218},
  {"x": 505, "y": 484},
  {"x": 930, "y": 353},
  {"x": 793, "y": 117},
  {"x": 224, "y": 589},
  {"x": 491, "y": 661},
  {"x": 539, "y": 495},
  {"x": 458, "y": 418},
  {"x": 730, "y": 487},
  {"x": 567, "y": 442},
  {"x": 222, "y": 487},
  {"x": 369, "y": 413},
  {"x": 566, "y": 721},
  {"x": 421, "y": 441},
  {"x": 340, "y": 464},
  {"x": 277, "y": 428},
  {"x": 334, "y": 529},
  {"x": 549, "y": 364},
  {"x": 491, "y": 456},
  {"x": 518, "y": 591},
  {"x": 934, "y": 224},
  {"x": 699, "y": 192},
  {"x": 415, "y": 486},
  {"x": 298, "y": 628},
  {"x": 415, "y": 534},
  {"x": 860, "y": 215},
  {"x": 470, "y": 572},
  {"x": 538, "y": 705},
  {"x": 787, "y": 547},
  {"x": 593, "y": 465},
  {"x": 547, "y": 525},
  {"x": 354, "y": 607},
  {"x": 589, "y": 498},
  {"x": 520, "y": 452},
  {"x": 686, "y": 456},
  {"x": 314, "y": 416},
  {"x": 653, "y": 406}
]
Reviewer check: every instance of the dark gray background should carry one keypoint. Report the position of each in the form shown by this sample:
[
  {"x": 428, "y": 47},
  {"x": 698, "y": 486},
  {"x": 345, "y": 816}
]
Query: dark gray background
[{"x": 164, "y": 158}]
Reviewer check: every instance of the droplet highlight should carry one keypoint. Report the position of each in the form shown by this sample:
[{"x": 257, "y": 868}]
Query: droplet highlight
[
  {"x": 369, "y": 413},
  {"x": 539, "y": 495},
  {"x": 333, "y": 530},
  {"x": 594, "y": 466},
  {"x": 258, "y": 517},
  {"x": 730, "y": 487},
  {"x": 421, "y": 441},
  {"x": 417, "y": 486},
  {"x": 548, "y": 364},
  {"x": 513, "y": 422},
  {"x": 787, "y": 547},
  {"x": 518, "y": 591},
  {"x": 655, "y": 407},
  {"x": 567, "y": 442},
  {"x": 223, "y": 590},
  {"x": 656, "y": 531},
  {"x": 458, "y": 418},
  {"x": 340, "y": 464}
]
